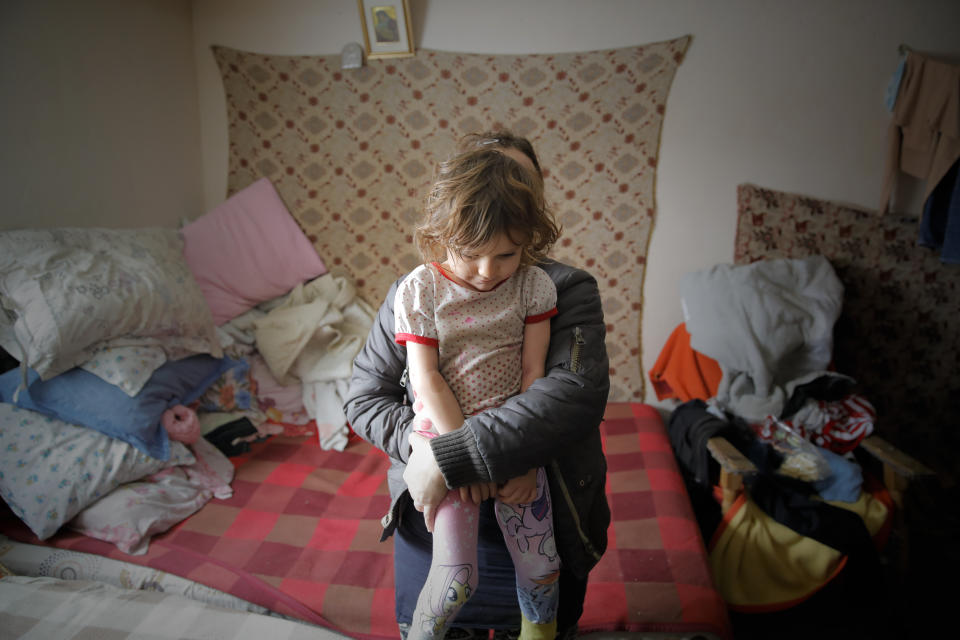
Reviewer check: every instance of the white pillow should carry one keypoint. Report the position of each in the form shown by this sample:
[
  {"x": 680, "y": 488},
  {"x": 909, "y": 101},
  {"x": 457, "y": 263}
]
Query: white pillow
[
  {"x": 136, "y": 511},
  {"x": 50, "y": 470},
  {"x": 128, "y": 368},
  {"x": 68, "y": 293}
]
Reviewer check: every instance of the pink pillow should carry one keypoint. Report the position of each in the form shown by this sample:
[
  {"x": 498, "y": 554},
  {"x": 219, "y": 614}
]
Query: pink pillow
[{"x": 248, "y": 250}]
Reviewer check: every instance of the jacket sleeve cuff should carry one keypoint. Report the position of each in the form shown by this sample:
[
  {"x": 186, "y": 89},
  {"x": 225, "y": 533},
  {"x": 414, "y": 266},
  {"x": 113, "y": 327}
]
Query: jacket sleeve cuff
[{"x": 459, "y": 460}]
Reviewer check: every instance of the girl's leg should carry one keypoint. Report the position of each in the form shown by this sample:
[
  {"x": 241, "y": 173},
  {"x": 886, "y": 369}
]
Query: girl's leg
[
  {"x": 528, "y": 531},
  {"x": 453, "y": 569}
]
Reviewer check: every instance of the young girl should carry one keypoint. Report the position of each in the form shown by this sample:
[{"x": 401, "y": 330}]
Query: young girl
[{"x": 475, "y": 322}]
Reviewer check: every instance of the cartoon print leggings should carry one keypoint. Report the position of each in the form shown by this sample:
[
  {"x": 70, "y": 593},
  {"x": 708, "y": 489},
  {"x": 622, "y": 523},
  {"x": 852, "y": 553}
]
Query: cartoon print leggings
[{"x": 528, "y": 533}]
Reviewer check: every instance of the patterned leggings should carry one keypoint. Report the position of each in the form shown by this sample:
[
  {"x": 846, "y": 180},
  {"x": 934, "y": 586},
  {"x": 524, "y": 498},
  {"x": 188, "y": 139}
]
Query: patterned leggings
[{"x": 528, "y": 533}]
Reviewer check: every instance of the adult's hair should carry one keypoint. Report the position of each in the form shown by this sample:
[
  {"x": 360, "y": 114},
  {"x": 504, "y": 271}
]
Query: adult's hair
[{"x": 502, "y": 140}]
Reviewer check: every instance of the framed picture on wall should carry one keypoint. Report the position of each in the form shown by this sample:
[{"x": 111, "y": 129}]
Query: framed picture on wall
[{"x": 386, "y": 28}]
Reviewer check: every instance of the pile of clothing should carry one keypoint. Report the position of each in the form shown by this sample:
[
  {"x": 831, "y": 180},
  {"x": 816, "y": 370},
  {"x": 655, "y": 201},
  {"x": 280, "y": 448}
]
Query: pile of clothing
[{"x": 752, "y": 362}]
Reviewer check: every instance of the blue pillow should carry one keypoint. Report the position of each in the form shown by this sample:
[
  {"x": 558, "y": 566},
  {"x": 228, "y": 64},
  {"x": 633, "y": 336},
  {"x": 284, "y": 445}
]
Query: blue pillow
[{"x": 79, "y": 397}]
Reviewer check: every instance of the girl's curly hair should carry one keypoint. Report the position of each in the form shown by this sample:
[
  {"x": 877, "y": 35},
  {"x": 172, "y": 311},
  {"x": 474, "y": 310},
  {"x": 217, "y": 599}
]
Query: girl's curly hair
[{"x": 481, "y": 193}]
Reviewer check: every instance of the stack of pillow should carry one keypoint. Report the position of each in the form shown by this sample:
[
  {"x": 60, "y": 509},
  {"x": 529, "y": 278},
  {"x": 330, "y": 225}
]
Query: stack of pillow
[{"x": 114, "y": 327}]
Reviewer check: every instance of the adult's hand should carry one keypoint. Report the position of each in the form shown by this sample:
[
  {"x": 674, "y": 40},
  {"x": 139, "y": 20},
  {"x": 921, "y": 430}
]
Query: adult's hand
[{"x": 424, "y": 480}]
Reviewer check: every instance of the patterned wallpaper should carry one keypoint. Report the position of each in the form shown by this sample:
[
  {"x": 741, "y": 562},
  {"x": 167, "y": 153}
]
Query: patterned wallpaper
[
  {"x": 898, "y": 334},
  {"x": 352, "y": 153}
]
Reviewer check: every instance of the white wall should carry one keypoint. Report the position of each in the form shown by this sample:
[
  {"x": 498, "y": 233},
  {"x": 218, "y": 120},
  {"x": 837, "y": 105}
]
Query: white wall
[
  {"x": 783, "y": 94},
  {"x": 99, "y": 115}
]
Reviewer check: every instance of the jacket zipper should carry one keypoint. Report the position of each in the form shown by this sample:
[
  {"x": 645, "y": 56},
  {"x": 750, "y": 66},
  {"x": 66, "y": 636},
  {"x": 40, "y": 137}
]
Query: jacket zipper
[
  {"x": 578, "y": 343},
  {"x": 573, "y": 511}
]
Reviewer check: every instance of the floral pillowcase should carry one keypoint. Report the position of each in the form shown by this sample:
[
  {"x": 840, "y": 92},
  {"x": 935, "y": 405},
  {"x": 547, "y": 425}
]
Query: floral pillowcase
[
  {"x": 129, "y": 368},
  {"x": 232, "y": 392}
]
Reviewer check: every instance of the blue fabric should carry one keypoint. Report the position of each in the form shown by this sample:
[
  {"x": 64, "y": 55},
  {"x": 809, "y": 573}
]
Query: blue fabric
[
  {"x": 940, "y": 225},
  {"x": 81, "y": 398},
  {"x": 845, "y": 480},
  {"x": 494, "y": 603},
  {"x": 893, "y": 87}
]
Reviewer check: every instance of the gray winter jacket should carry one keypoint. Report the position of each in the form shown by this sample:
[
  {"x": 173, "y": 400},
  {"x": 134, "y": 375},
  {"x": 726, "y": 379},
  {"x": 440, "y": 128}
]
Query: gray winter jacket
[{"x": 554, "y": 424}]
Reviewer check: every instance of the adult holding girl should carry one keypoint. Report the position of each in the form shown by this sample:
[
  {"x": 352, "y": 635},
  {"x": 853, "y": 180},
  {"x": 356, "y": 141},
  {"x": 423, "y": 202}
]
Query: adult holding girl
[{"x": 533, "y": 445}]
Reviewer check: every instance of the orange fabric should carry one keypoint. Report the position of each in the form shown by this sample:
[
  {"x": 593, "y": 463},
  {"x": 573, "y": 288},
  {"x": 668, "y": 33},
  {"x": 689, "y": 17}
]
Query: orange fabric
[{"x": 682, "y": 373}]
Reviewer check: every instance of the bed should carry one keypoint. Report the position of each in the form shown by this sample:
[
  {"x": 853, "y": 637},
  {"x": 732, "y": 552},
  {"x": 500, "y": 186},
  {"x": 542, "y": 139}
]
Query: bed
[
  {"x": 300, "y": 538},
  {"x": 171, "y": 436}
]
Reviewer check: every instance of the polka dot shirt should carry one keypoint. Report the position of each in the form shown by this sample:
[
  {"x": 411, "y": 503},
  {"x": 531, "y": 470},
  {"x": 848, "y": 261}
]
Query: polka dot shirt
[{"x": 479, "y": 334}]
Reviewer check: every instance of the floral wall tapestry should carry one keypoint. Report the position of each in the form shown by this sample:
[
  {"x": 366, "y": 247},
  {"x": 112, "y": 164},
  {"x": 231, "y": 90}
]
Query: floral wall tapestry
[
  {"x": 898, "y": 333},
  {"x": 353, "y": 151}
]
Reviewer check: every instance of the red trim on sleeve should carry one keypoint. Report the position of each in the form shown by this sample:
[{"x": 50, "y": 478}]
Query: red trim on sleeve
[
  {"x": 404, "y": 338},
  {"x": 540, "y": 317}
]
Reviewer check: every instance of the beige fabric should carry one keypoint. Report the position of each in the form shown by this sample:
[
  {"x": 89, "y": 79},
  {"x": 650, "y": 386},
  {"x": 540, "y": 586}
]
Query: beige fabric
[
  {"x": 352, "y": 153},
  {"x": 923, "y": 139},
  {"x": 312, "y": 337}
]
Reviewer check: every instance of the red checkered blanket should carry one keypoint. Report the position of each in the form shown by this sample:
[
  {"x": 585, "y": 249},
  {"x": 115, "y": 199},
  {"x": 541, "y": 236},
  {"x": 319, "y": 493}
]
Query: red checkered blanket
[{"x": 301, "y": 536}]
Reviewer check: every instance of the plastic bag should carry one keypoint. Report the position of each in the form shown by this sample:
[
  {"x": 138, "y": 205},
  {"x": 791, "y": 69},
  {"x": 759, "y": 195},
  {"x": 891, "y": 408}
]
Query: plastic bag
[{"x": 801, "y": 459}]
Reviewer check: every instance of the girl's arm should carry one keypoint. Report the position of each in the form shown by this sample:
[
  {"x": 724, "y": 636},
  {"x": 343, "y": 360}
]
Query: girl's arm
[
  {"x": 536, "y": 342},
  {"x": 440, "y": 405},
  {"x": 558, "y": 416}
]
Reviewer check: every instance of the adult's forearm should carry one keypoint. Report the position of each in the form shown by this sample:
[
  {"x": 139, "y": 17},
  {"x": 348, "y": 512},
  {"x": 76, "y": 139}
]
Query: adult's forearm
[{"x": 528, "y": 430}]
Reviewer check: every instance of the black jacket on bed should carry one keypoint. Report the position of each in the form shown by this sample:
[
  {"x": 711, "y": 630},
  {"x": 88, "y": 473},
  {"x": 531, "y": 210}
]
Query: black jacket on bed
[{"x": 554, "y": 424}]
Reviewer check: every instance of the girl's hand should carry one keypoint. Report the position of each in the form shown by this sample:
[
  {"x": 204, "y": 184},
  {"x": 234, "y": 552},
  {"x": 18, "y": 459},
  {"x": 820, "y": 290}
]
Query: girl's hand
[
  {"x": 478, "y": 492},
  {"x": 520, "y": 490}
]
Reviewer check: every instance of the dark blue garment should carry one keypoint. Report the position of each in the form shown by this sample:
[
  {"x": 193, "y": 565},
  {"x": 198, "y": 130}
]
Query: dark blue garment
[
  {"x": 494, "y": 603},
  {"x": 940, "y": 225}
]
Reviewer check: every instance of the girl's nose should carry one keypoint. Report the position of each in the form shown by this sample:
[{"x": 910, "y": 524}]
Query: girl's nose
[{"x": 485, "y": 267}]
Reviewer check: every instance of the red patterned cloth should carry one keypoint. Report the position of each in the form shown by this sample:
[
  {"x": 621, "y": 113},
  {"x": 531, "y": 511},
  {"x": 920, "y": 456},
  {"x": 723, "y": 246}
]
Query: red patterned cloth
[
  {"x": 301, "y": 536},
  {"x": 838, "y": 426}
]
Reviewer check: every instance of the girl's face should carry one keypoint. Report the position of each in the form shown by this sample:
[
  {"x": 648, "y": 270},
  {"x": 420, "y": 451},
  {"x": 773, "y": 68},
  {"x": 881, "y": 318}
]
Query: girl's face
[{"x": 484, "y": 268}]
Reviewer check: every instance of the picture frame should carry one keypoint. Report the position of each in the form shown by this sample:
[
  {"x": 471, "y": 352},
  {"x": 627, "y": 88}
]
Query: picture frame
[{"x": 386, "y": 28}]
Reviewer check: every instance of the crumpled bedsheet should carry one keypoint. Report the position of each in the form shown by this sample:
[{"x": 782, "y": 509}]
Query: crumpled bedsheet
[{"x": 312, "y": 336}]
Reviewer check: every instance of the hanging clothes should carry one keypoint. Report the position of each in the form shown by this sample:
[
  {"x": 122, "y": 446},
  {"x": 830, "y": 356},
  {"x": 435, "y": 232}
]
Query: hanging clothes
[
  {"x": 940, "y": 224},
  {"x": 923, "y": 139}
]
